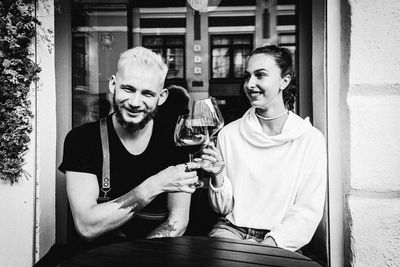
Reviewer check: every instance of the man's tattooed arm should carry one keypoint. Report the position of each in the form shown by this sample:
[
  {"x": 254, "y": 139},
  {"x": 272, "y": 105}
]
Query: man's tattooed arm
[
  {"x": 93, "y": 219},
  {"x": 136, "y": 199},
  {"x": 166, "y": 229},
  {"x": 132, "y": 201},
  {"x": 178, "y": 218}
]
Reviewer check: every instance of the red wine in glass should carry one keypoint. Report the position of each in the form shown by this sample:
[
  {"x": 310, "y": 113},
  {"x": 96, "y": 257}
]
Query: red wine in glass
[{"x": 191, "y": 132}]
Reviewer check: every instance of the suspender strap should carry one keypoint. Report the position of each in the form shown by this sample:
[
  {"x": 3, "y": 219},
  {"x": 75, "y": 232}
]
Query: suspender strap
[{"x": 105, "y": 179}]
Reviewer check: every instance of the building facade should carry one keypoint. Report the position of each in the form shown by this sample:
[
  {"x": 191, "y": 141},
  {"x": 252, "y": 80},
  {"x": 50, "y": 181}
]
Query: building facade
[
  {"x": 346, "y": 55},
  {"x": 205, "y": 47}
]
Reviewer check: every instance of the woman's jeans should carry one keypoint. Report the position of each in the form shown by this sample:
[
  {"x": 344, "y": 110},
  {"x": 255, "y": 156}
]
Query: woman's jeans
[{"x": 225, "y": 229}]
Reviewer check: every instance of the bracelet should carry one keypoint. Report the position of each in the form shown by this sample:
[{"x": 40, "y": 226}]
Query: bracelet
[{"x": 221, "y": 169}]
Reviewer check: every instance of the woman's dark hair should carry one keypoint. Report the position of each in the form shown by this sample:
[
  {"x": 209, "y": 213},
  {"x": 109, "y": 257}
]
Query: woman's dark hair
[{"x": 283, "y": 58}]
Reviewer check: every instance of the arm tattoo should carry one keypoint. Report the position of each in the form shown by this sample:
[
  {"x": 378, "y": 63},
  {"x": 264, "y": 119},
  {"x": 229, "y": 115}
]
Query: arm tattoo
[
  {"x": 164, "y": 230},
  {"x": 132, "y": 201}
]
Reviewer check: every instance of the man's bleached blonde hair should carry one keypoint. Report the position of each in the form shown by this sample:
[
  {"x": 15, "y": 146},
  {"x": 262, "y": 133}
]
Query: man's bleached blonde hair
[{"x": 143, "y": 56}]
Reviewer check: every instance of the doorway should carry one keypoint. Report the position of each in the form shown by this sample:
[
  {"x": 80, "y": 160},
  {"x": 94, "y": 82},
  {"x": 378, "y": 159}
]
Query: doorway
[{"x": 91, "y": 35}]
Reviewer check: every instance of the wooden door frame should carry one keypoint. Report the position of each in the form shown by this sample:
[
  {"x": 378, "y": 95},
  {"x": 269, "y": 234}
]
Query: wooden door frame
[{"x": 328, "y": 110}]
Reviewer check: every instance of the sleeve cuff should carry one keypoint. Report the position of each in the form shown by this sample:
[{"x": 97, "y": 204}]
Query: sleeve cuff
[
  {"x": 273, "y": 238},
  {"x": 217, "y": 189}
]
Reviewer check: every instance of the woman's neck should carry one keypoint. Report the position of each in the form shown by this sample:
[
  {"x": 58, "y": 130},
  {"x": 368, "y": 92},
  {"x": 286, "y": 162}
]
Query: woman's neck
[
  {"x": 270, "y": 113},
  {"x": 272, "y": 121}
]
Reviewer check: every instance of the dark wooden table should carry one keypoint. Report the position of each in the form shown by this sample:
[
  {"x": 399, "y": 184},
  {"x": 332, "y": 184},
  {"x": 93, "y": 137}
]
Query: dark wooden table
[{"x": 189, "y": 251}]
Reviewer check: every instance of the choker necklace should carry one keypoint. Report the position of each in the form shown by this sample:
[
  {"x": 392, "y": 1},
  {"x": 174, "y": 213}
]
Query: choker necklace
[{"x": 272, "y": 118}]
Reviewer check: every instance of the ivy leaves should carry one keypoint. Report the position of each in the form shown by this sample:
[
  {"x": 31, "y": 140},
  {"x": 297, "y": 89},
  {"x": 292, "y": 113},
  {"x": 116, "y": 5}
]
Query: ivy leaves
[{"x": 17, "y": 72}]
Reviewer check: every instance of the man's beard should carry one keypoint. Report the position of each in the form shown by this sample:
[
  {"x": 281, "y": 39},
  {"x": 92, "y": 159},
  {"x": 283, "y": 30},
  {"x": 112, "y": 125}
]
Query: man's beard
[{"x": 131, "y": 126}]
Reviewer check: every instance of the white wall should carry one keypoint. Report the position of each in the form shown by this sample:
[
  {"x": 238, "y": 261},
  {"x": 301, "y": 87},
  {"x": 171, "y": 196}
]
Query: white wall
[
  {"x": 17, "y": 218},
  {"x": 27, "y": 208},
  {"x": 374, "y": 121},
  {"x": 45, "y": 135}
]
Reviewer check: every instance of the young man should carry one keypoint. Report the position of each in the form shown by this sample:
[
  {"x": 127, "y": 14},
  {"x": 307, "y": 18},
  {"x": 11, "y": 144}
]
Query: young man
[{"x": 150, "y": 187}]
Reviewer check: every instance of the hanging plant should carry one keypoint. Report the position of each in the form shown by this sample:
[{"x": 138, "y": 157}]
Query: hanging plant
[{"x": 17, "y": 72}]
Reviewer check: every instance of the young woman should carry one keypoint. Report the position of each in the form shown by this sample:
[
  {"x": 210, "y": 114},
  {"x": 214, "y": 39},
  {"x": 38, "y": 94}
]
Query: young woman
[{"x": 272, "y": 189}]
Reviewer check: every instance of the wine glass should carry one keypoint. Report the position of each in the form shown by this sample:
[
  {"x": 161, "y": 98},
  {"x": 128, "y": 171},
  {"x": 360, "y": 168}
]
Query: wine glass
[
  {"x": 190, "y": 131},
  {"x": 212, "y": 117}
]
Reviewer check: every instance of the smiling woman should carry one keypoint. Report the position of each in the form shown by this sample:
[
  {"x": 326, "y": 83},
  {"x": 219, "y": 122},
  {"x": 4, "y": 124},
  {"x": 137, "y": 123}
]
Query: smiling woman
[
  {"x": 278, "y": 189},
  {"x": 269, "y": 72}
]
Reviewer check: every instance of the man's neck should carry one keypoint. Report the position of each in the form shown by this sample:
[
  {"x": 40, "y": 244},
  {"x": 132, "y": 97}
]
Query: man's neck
[{"x": 135, "y": 141}]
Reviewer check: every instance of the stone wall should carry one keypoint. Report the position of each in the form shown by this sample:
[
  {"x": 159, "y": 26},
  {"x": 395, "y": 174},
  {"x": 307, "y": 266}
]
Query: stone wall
[{"x": 373, "y": 99}]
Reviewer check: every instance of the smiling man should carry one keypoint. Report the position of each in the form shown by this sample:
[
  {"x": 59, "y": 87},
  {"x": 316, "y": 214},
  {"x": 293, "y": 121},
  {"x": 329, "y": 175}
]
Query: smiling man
[{"x": 150, "y": 188}]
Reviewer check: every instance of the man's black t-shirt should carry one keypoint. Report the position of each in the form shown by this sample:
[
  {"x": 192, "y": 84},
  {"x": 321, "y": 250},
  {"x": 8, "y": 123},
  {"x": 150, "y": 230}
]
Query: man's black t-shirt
[{"x": 83, "y": 153}]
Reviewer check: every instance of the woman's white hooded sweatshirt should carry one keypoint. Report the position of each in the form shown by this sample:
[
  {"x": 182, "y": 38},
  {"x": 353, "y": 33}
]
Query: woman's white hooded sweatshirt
[{"x": 275, "y": 182}]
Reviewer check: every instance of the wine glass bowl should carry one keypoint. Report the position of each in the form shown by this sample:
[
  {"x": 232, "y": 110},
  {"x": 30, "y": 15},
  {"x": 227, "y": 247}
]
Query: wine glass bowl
[
  {"x": 212, "y": 117},
  {"x": 190, "y": 131},
  {"x": 198, "y": 127}
]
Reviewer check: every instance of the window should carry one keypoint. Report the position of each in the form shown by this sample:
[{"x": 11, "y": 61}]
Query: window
[
  {"x": 288, "y": 40},
  {"x": 172, "y": 49},
  {"x": 228, "y": 55},
  {"x": 95, "y": 52}
]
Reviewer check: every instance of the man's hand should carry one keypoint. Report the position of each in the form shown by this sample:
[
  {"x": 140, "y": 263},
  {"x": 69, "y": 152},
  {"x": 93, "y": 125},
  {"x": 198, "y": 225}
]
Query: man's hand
[{"x": 178, "y": 178}]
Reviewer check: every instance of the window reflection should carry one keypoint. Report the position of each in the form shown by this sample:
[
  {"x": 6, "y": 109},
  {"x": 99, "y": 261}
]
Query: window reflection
[
  {"x": 240, "y": 56},
  {"x": 172, "y": 50},
  {"x": 100, "y": 32},
  {"x": 228, "y": 55},
  {"x": 220, "y": 63},
  {"x": 99, "y": 35}
]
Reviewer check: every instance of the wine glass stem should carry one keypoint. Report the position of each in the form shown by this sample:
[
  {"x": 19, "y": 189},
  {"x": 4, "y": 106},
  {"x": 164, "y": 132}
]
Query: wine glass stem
[
  {"x": 199, "y": 183},
  {"x": 190, "y": 157},
  {"x": 213, "y": 139}
]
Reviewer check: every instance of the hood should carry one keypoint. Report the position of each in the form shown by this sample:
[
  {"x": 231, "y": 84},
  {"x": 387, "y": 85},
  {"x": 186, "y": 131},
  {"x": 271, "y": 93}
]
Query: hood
[{"x": 251, "y": 130}]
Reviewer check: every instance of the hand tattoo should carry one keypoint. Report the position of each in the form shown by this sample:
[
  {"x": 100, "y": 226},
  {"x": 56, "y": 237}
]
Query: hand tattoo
[{"x": 164, "y": 230}]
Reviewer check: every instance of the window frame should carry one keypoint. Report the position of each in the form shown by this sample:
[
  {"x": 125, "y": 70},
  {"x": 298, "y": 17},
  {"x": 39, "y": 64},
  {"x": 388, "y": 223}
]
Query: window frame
[
  {"x": 326, "y": 18},
  {"x": 164, "y": 48},
  {"x": 231, "y": 47}
]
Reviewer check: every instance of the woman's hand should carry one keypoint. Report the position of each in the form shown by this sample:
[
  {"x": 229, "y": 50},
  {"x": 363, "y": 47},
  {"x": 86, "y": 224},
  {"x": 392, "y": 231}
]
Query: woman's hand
[{"x": 211, "y": 160}]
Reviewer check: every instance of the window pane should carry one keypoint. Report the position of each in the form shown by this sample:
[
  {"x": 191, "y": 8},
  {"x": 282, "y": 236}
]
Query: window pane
[
  {"x": 241, "y": 40},
  {"x": 286, "y": 2},
  {"x": 220, "y": 40},
  {"x": 174, "y": 42},
  {"x": 239, "y": 60},
  {"x": 158, "y": 51},
  {"x": 79, "y": 60},
  {"x": 220, "y": 63},
  {"x": 95, "y": 53},
  {"x": 152, "y": 41},
  {"x": 286, "y": 39},
  {"x": 171, "y": 48},
  {"x": 286, "y": 20},
  {"x": 175, "y": 63}
]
